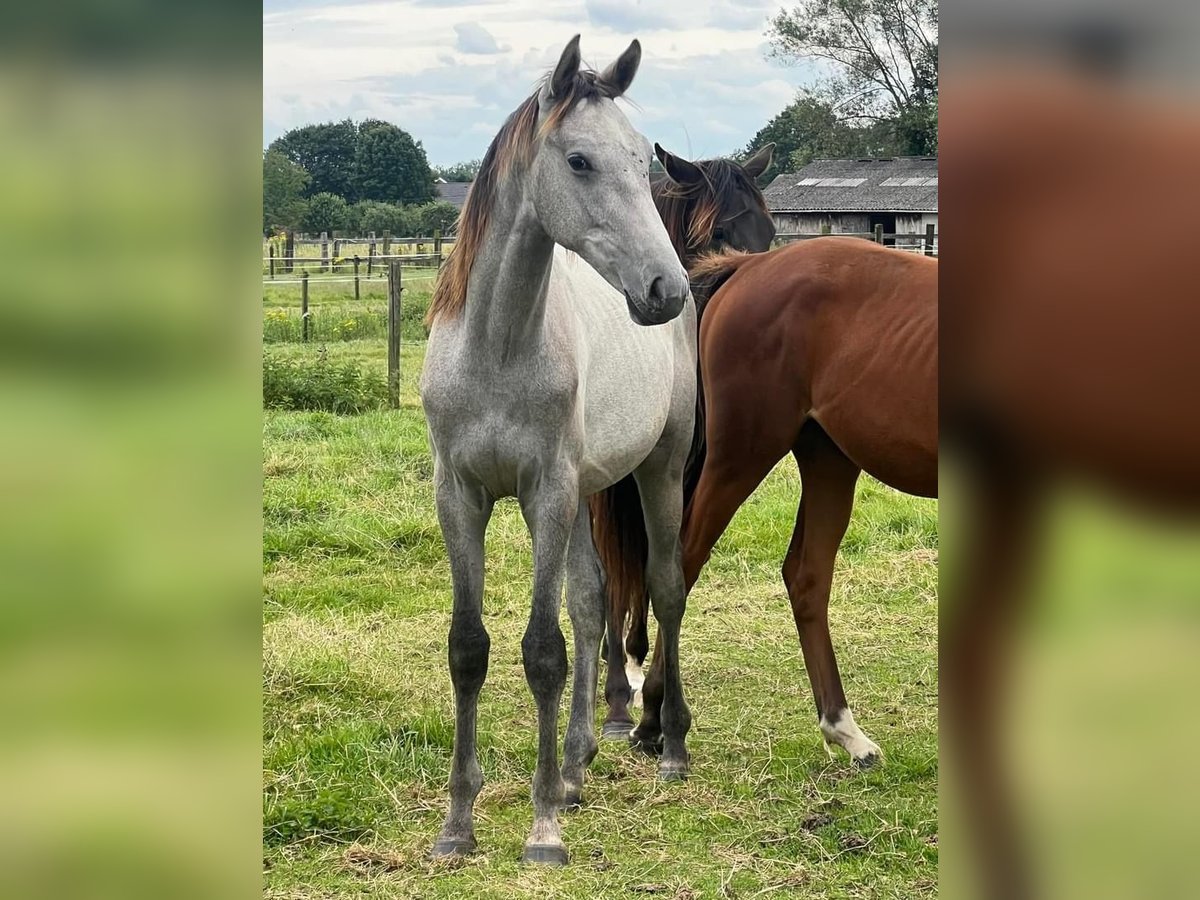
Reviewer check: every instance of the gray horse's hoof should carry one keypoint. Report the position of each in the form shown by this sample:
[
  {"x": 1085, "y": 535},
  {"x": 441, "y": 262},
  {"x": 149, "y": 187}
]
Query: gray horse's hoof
[
  {"x": 444, "y": 848},
  {"x": 545, "y": 854},
  {"x": 673, "y": 771},
  {"x": 616, "y": 731},
  {"x": 870, "y": 761}
]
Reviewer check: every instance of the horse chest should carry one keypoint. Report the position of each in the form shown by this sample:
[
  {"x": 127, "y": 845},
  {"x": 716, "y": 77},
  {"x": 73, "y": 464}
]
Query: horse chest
[{"x": 503, "y": 428}]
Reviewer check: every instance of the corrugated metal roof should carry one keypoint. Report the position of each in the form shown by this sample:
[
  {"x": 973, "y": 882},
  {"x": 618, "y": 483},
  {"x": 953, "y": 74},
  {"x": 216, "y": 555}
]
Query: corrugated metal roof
[{"x": 896, "y": 184}]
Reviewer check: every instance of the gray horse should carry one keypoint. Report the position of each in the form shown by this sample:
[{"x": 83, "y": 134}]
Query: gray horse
[{"x": 545, "y": 381}]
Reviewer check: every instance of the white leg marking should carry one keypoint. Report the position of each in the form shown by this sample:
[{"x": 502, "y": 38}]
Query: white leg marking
[
  {"x": 846, "y": 734},
  {"x": 633, "y": 672}
]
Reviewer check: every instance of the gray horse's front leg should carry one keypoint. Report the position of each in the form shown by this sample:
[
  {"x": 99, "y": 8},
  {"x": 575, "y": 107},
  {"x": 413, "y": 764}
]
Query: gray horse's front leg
[
  {"x": 550, "y": 515},
  {"x": 463, "y": 526},
  {"x": 662, "y": 507},
  {"x": 585, "y": 604}
]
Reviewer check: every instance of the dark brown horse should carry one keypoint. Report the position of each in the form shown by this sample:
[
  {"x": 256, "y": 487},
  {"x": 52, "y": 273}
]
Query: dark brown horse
[
  {"x": 827, "y": 349},
  {"x": 707, "y": 206}
]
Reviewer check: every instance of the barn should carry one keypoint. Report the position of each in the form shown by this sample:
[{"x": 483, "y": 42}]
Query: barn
[
  {"x": 852, "y": 196},
  {"x": 454, "y": 192}
]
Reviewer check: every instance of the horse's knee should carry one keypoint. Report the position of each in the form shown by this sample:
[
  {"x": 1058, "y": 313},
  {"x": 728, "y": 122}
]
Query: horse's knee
[
  {"x": 469, "y": 646},
  {"x": 544, "y": 656}
]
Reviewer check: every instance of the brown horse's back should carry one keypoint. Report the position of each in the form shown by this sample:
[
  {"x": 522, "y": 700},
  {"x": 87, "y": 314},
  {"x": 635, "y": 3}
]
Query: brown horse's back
[{"x": 842, "y": 331}]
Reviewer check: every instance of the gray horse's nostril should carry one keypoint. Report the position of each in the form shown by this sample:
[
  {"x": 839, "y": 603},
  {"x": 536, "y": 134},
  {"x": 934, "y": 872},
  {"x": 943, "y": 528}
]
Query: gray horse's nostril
[{"x": 657, "y": 289}]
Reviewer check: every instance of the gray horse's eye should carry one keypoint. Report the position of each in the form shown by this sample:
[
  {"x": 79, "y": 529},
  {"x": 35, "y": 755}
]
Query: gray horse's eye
[{"x": 578, "y": 163}]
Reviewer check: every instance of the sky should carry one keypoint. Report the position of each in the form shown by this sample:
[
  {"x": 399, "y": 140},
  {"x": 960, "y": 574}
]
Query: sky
[{"x": 450, "y": 71}]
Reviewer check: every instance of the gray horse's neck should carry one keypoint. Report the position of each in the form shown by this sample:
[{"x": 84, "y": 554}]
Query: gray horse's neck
[{"x": 506, "y": 291}]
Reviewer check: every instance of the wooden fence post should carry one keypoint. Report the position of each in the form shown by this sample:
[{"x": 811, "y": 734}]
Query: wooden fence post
[
  {"x": 289, "y": 251},
  {"x": 879, "y": 234},
  {"x": 387, "y": 243},
  {"x": 271, "y": 253},
  {"x": 437, "y": 246},
  {"x": 370, "y": 258},
  {"x": 356, "y": 260},
  {"x": 337, "y": 250},
  {"x": 393, "y": 332},
  {"x": 324, "y": 251},
  {"x": 304, "y": 306},
  {"x": 930, "y": 231}
]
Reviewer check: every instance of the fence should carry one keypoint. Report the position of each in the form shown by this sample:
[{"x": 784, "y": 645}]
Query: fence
[
  {"x": 390, "y": 266},
  {"x": 332, "y": 252},
  {"x": 926, "y": 243}
]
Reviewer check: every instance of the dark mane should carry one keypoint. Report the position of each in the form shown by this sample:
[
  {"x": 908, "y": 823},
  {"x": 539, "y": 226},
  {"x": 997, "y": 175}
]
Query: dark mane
[
  {"x": 511, "y": 148},
  {"x": 690, "y": 212}
]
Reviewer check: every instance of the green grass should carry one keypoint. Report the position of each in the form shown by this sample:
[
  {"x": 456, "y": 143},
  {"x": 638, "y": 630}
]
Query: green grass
[
  {"x": 358, "y": 707},
  {"x": 334, "y": 314}
]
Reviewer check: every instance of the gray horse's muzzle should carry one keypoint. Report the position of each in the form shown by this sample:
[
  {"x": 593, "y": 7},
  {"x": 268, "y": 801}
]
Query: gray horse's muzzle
[{"x": 663, "y": 301}]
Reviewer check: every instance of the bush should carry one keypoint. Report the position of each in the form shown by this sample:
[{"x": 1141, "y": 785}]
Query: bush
[
  {"x": 319, "y": 385},
  {"x": 325, "y": 212},
  {"x": 369, "y": 215},
  {"x": 437, "y": 216}
]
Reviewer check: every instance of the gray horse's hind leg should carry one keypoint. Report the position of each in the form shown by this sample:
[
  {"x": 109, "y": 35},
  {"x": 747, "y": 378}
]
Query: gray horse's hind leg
[
  {"x": 585, "y": 604},
  {"x": 463, "y": 528},
  {"x": 550, "y": 515},
  {"x": 662, "y": 504}
]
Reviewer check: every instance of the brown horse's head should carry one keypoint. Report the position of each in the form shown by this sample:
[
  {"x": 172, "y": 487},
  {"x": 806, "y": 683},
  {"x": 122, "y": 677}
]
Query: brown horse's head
[{"x": 714, "y": 204}]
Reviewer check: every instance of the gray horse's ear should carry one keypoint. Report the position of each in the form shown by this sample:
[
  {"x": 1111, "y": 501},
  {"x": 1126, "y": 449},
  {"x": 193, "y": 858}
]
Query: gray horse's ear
[
  {"x": 566, "y": 70},
  {"x": 619, "y": 76},
  {"x": 679, "y": 169},
  {"x": 758, "y": 163}
]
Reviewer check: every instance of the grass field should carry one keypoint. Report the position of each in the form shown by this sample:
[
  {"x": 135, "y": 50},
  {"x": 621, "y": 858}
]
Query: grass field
[{"x": 358, "y": 715}]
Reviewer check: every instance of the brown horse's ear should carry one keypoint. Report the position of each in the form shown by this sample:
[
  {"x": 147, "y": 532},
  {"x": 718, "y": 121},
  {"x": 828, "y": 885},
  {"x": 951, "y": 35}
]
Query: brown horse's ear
[
  {"x": 758, "y": 163},
  {"x": 619, "y": 76},
  {"x": 566, "y": 70},
  {"x": 679, "y": 169}
]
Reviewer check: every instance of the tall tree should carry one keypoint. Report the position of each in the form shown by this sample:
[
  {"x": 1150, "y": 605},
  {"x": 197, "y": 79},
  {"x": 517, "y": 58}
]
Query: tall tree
[
  {"x": 884, "y": 59},
  {"x": 283, "y": 191},
  {"x": 326, "y": 152},
  {"x": 390, "y": 166}
]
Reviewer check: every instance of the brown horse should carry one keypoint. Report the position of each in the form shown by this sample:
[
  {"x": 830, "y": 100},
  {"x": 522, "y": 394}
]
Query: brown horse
[
  {"x": 707, "y": 206},
  {"x": 827, "y": 349}
]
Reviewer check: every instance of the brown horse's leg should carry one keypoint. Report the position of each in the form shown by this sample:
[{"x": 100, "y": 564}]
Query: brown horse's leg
[
  {"x": 982, "y": 606},
  {"x": 617, "y": 691},
  {"x": 722, "y": 489},
  {"x": 827, "y": 498}
]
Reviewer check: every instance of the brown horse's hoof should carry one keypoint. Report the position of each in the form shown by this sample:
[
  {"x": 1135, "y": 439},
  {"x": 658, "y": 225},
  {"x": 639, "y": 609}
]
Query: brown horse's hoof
[
  {"x": 650, "y": 743},
  {"x": 616, "y": 731},
  {"x": 572, "y": 800},
  {"x": 870, "y": 761},
  {"x": 545, "y": 854},
  {"x": 444, "y": 848},
  {"x": 673, "y": 771}
]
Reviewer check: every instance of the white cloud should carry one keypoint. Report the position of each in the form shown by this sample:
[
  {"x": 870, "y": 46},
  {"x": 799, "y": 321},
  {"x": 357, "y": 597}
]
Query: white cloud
[
  {"x": 474, "y": 38},
  {"x": 704, "y": 87}
]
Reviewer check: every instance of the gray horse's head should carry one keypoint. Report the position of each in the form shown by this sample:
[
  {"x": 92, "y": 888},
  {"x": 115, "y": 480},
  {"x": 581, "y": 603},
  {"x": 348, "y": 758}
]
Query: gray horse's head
[{"x": 589, "y": 184}]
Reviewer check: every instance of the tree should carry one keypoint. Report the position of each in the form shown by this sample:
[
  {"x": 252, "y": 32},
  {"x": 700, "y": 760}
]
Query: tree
[
  {"x": 884, "y": 54},
  {"x": 463, "y": 171},
  {"x": 326, "y": 152},
  {"x": 326, "y": 212},
  {"x": 283, "y": 191},
  {"x": 436, "y": 216},
  {"x": 390, "y": 166}
]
